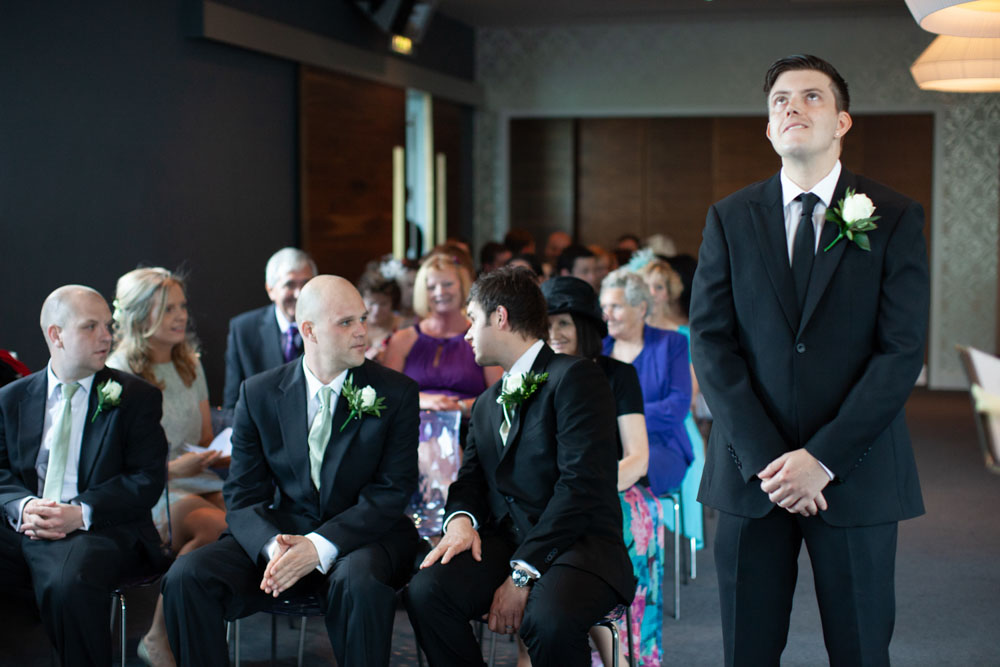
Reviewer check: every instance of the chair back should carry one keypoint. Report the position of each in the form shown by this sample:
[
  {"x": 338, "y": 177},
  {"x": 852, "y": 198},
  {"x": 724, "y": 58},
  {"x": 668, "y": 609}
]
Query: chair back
[{"x": 440, "y": 457}]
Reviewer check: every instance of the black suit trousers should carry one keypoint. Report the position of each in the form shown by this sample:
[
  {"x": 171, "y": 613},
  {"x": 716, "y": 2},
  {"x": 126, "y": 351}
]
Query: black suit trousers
[
  {"x": 219, "y": 581},
  {"x": 853, "y": 567},
  {"x": 70, "y": 580},
  {"x": 561, "y": 607}
]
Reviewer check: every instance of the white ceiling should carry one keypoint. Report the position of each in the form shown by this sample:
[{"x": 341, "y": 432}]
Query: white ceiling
[{"x": 485, "y": 13}]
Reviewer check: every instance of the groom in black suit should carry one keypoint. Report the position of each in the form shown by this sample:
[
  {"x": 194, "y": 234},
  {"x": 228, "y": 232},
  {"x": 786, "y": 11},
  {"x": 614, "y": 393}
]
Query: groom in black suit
[
  {"x": 315, "y": 496},
  {"x": 82, "y": 462},
  {"x": 533, "y": 534},
  {"x": 806, "y": 347}
]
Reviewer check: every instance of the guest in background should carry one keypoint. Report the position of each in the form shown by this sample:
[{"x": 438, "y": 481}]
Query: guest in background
[
  {"x": 492, "y": 256},
  {"x": 519, "y": 240},
  {"x": 458, "y": 253},
  {"x": 662, "y": 245},
  {"x": 628, "y": 243},
  {"x": 577, "y": 261},
  {"x": 530, "y": 262},
  {"x": 605, "y": 264},
  {"x": 268, "y": 337},
  {"x": 666, "y": 289},
  {"x": 11, "y": 368},
  {"x": 576, "y": 327},
  {"x": 382, "y": 297},
  {"x": 661, "y": 360},
  {"x": 153, "y": 340},
  {"x": 81, "y": 463},
  {"x": 434, "y": 351},
  {"x": 554, "y": 246}
]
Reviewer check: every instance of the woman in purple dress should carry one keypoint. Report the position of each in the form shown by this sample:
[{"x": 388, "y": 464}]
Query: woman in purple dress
[{"x": 434, "y": 351}]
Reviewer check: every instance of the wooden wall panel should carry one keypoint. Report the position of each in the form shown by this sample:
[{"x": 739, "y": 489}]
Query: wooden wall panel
[
  {"x": 542, "y": 176},
  {"x": 347, "y": 129},
  {"x": 678, "y": 175},
  {"x": 610, "y": 192},
  {"x": 453, "y": 138}
]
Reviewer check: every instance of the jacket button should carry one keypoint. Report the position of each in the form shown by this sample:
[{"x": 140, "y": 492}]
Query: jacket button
[
  {"x": 509, "y": 499},
  {"x": 800, "y": 348}
]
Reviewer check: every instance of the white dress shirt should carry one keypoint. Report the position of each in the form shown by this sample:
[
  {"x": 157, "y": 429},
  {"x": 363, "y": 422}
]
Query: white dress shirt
[
  {"x": 283, "y": 322},
  {"x": 522, "y": 365},
  {"x": 78, "y": 418},
  {"x": 793, "y": 212},
  {"x": 325, "y": 549}
]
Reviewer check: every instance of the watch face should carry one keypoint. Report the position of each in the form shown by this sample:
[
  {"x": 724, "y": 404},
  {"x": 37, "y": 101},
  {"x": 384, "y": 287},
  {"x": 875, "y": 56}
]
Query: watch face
[{"x": 520, "y": 578}]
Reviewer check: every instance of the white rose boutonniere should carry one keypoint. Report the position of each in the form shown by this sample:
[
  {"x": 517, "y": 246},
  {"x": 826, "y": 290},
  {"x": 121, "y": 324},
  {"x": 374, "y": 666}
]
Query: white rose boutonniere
[
  {"x": 854, "y": 219},
  {"x": 361, "y": 401},
  {"x": 109, "y": 395},
  {"x": 519, "y": 387}
]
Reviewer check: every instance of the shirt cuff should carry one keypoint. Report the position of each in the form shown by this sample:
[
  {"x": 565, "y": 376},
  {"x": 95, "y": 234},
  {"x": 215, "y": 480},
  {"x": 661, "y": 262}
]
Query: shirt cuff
[
  {"x": 828, "y": 471},
  {"x": 325, "y": 549},
  {"x": 535, "y": 574},
  {"x": 475, "y": 524},
  {"x": 88, "y": 513},
  {"x": 270, "y": 548},
  {"x": 15, "y": 511}
]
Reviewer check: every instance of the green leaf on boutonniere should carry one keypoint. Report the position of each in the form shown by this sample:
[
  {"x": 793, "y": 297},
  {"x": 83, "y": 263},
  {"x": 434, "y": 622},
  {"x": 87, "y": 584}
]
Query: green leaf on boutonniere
[
  {"x": 361, "y": 401},
  {"x": 854, "y": 219},
  {"x": 109, "y": 395}
]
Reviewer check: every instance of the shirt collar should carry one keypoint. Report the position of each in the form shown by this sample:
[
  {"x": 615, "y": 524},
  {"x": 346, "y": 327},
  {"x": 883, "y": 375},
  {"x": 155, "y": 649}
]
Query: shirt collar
[
  {"x": 313, "y": 384},
  {"x": 526, "y": 360},
  {"x": 283, "y": 322},
  {"x": 54, "y": 382},
  {"x": 824, "y": 189}
]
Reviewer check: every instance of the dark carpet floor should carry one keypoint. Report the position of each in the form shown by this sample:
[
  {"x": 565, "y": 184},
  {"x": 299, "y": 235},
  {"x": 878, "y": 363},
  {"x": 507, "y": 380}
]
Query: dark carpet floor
[{"x": 947, "y": 579}]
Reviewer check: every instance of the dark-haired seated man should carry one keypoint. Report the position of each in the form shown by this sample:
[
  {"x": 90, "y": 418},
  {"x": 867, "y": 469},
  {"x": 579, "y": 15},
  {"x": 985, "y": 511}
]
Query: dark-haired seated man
[
  {"x": 82, "y": 462},
  {"x": 533, "y": 534},
  {"x": 580, "y": 262}
]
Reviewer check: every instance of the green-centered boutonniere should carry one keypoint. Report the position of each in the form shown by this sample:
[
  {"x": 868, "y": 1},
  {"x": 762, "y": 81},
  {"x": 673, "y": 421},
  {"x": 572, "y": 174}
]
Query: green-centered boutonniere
[
  {"x": 519, "y": 387},
  {"x": 854, "y": 219},
  {"x": 109, "y": 395},
  {"x": 361, "y": 401}
]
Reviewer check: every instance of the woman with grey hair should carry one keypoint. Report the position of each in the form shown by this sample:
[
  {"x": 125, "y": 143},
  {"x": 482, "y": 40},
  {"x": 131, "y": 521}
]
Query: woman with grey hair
[{"x": 661, "y": 359}]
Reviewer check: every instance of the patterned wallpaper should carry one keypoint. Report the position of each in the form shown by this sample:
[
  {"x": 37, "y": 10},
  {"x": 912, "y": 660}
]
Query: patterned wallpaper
[{"x": 700, "y": 68}]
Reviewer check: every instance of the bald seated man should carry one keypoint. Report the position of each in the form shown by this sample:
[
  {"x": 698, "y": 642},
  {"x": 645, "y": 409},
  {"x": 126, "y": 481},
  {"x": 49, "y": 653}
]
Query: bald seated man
[
  {"x": 336, "y": 436},
  {"x": 82, "y": 462}
]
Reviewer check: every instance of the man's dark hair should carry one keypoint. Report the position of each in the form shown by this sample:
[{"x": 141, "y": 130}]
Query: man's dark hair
[
  {"x": 489, "y": 252},
  {"x": 514, "y": 288},
  {"x": 518, "y": 239},
  {"x": 569, "y": 256},
  {"x": 531, "y": 259},
  {"x": 798, "y": 62}
]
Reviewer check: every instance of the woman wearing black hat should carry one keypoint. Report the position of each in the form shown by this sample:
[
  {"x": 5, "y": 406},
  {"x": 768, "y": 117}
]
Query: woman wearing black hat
[{"x": 576, "y": 326}]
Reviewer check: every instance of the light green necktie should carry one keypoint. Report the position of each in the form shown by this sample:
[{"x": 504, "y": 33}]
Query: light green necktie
[
  {"x": 505, "y": 426},
  {"x": 319, "y": 434},
  {"x": 59, "y": 450}
]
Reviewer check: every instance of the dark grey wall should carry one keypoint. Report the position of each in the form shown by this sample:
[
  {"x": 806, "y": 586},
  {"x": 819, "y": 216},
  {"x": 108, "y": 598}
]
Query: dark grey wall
[{"x": 122, "y": 142}]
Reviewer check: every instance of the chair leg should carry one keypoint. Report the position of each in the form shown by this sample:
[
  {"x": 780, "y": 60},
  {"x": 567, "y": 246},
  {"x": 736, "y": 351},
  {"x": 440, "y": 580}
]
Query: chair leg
[
  {"x": 237, "y": 651},
  {"x": 493, "y": 650},
  {"x": 628, "y": 631},
  {"x": 124, "y": 623},
  {"x": 302, "y": 639},
  {"x": 677, "y": 556},
  {"x": 274, "y": 640},
  {"x": 693, "y": 543}
]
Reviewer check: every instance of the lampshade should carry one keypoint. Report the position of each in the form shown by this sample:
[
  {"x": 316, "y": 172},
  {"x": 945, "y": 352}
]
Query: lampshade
[
  {"x": 980, "y": 18},
  {"x": 960, "y": 65}
]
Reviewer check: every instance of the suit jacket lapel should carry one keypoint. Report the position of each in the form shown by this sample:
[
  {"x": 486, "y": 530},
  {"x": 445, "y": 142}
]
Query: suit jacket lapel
[
  {"x": 31, "y": 419},
  {"x": 270, "y": 337},
  {"x": 768, "y": 219},
  {"x": 340, "y": 441},
  {"x": 292, "y": 414},
  {"x": 826, "y": 262},
  {"x": 541, "y": 361},
  {"x": 95, "y": 427}
]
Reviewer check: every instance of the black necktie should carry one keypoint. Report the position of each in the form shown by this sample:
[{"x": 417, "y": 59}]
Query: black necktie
[{"x": 804, "y": 247}]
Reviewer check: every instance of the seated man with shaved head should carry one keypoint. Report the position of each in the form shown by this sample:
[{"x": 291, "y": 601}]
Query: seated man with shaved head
[
  {"x": 82, "y": 462},
  {"x": 324, "y": 462}
]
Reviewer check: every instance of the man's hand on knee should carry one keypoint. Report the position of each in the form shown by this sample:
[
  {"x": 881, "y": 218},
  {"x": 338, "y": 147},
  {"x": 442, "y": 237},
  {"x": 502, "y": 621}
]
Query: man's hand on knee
[
  {"x": 461, "y": 536},
  {"x": 507, "y": 610},
  {"x": 295, "y": 557}
]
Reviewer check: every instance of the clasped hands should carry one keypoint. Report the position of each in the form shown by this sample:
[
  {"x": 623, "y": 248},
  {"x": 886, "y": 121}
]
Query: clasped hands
[
  {"x": 48, "y": 520},
  {"x": 507, "y": 609},
  {"x": 795, "y": 481},
  {"x": 294, "y": 558}
]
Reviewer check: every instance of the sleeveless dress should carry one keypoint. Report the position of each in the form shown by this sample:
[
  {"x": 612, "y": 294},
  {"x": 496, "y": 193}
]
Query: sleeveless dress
[{"x": 444, "y": 366}]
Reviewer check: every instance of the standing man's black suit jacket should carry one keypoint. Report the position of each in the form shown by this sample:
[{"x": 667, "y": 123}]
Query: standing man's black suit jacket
[
  {"x": 369, "y": 470},
  {"x": 123, "y": 454},
  {"x": 833, "y": 378},
  {"x": 252, "y": 346},
  {"x": 557, "y": 475}
]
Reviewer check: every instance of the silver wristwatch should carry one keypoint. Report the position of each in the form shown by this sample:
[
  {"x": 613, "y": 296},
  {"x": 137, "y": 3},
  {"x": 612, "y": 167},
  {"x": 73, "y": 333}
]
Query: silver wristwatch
[{"x": 520, "y": 577}]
